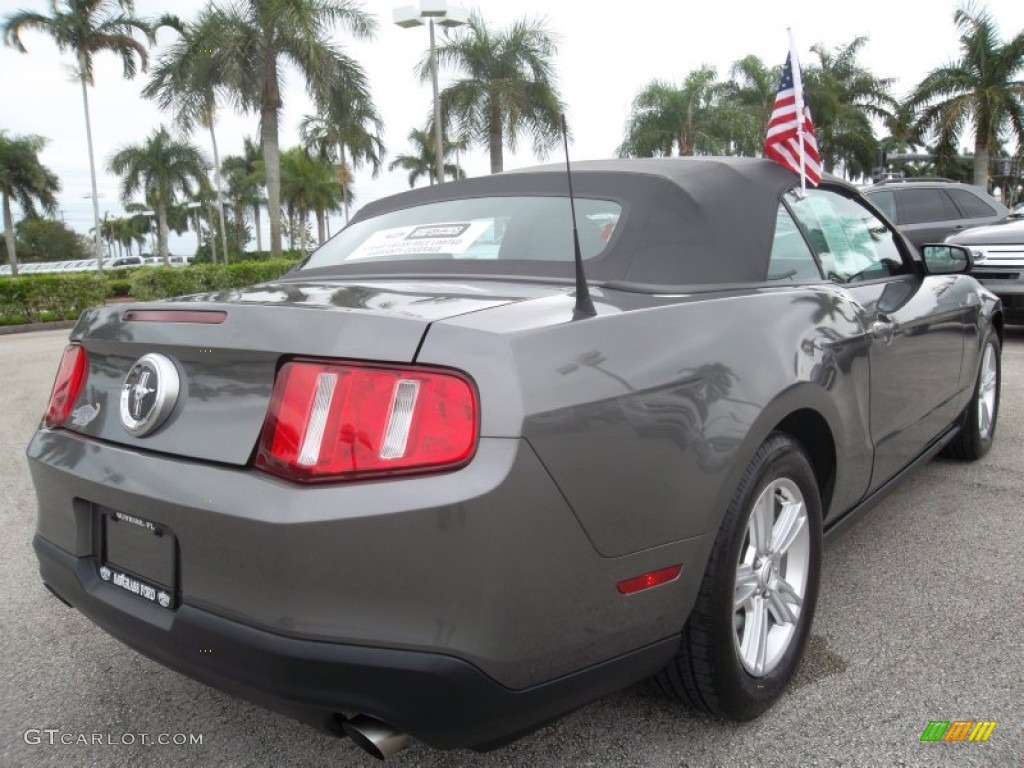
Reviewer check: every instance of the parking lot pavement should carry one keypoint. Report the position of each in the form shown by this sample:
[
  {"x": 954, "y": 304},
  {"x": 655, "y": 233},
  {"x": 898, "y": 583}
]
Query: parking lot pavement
[{"x": 919, "y": 619}]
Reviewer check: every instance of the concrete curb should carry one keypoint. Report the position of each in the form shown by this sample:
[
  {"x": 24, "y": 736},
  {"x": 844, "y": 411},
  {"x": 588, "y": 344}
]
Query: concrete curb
[{"x": 55, "y": 325}]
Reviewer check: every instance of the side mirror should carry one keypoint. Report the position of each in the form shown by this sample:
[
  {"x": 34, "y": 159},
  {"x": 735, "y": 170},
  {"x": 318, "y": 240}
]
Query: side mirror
[{"x": 946, "y": 259}]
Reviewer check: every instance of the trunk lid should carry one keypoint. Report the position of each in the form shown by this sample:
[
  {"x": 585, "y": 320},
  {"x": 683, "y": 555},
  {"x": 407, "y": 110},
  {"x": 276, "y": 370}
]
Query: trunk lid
[{"x": 226, "y": 369}]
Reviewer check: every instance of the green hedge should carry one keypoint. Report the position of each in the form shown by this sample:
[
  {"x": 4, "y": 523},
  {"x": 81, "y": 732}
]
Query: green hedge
[
  {"x": 165, "y": 282},
  {"x": 286, "y": 253},
  {"x": 36, "y": 298},
  {"x": 119, "y": 287}
]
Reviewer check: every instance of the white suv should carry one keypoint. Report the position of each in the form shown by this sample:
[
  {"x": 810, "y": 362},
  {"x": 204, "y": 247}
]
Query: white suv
[{"x": 998, "y": 251}]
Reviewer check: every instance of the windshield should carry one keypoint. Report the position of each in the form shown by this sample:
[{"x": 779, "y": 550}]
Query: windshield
[{"x": 481, "y": 228}]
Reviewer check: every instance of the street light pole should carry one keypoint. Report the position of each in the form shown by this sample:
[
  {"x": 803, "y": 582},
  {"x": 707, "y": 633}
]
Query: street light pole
[
  {"x": 447, "y": 16},
  {"x": 97, "y": 248},
  {"x": 438, "y": 135},
  {"x": 213, "y": 237}
]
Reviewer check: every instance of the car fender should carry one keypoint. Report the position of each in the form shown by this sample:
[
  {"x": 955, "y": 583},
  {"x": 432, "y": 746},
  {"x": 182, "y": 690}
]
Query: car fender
[{"x": 842, "y": 462}]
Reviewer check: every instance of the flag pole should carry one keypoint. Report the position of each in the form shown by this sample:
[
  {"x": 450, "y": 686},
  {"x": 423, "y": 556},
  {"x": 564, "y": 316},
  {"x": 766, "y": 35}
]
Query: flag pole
[{"x": 798, "y": 95}]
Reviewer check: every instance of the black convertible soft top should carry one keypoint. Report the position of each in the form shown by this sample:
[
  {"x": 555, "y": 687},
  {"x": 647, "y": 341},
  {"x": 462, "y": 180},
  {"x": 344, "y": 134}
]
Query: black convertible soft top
[{"x": 685, "y": 221}]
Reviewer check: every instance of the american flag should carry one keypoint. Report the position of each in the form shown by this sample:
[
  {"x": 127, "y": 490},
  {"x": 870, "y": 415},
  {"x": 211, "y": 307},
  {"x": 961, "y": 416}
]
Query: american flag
[{"x": 782, "y": 143}]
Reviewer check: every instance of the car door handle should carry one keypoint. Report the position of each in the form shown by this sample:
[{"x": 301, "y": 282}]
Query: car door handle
[{"x": 883, "y": 329}]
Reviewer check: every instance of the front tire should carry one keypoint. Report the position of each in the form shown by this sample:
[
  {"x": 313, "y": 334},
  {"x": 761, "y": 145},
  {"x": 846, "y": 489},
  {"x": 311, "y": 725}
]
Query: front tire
[
  {"x": 746, "y": 634},
  {"x": 978, "y": 423}
]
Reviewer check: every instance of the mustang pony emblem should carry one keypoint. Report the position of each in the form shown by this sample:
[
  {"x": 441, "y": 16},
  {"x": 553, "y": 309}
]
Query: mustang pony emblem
[
  {"x": 139, "y": 392},
  {"x": 149, "y": 394},
  {"x": 83, "y": 415}
]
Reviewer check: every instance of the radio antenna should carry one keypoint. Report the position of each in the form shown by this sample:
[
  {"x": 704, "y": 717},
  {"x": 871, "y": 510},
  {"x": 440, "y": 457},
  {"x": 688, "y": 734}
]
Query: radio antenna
[{"x": 584, "y": 306}]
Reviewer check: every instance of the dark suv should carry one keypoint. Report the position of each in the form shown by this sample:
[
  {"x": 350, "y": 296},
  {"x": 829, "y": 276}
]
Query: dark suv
[{"x": 928, "y": 210}]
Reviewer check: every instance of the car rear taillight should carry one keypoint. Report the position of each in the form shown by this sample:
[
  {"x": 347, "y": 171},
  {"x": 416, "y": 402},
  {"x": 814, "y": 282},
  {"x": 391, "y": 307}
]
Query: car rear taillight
[
  {"x": 339, "y": 421},
  {"x": 70, "y": 377}
]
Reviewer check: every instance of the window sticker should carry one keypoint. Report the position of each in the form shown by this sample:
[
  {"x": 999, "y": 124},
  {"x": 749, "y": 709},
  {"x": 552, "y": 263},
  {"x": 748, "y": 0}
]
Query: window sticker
[
  {"x": 835, "y": 233},
  {"x": 445, "y": 237}
]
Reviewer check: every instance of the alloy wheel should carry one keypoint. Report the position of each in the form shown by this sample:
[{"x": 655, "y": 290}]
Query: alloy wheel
[
  {"x": 771, "y": 577},
  {"x": 987, "y": 391}
]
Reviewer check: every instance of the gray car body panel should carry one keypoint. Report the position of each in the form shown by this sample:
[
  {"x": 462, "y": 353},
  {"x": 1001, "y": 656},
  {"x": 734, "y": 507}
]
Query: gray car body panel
[
  {"x": 667, "y": 435},
  {"x": 663, "y": 432}
]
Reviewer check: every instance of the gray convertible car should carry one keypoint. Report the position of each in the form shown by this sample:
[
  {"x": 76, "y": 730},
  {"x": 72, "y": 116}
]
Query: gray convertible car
[{"x": 471, "y": 465}]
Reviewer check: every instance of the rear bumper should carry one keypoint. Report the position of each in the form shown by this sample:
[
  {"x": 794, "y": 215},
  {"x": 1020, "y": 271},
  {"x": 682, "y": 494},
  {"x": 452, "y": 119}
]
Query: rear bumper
[
  {"x": 439, "y": 699},
  {"x": 462, "y": 608}
]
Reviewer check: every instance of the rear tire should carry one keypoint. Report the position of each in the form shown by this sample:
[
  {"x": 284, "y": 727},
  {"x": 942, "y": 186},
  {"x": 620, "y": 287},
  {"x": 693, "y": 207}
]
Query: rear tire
[
  {"x": 745, "y": 636},
  {"x": 978, "y": 422}
]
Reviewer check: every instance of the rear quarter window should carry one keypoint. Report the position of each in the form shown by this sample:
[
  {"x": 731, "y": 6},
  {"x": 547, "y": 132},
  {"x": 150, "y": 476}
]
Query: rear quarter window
[
  {"x": 973, "y": 207},
  {"x": 791, "y": 259}
]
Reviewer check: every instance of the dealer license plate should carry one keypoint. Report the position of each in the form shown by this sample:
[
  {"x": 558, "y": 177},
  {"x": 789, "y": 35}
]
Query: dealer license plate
[{"x": 138, "y": 556}]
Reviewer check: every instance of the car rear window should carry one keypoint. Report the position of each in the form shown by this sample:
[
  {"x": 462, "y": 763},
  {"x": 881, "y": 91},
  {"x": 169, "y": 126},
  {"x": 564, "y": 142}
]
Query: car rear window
[{"x": 482, "y": 228}]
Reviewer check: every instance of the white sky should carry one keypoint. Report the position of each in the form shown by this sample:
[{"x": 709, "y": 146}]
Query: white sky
[{"x": 604, "y": 58}]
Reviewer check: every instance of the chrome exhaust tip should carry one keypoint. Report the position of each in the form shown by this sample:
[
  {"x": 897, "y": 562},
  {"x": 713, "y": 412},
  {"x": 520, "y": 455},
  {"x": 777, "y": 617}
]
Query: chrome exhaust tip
[{"x": 375, "y": 737}]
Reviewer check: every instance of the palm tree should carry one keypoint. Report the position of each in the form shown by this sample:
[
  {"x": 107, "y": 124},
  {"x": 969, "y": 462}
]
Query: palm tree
[
  {"x": 185, "y": 82},
  {"x": 236, "y": 212},
  {"x": 86, "y": 27},
  {"x": 980, "y": 91},
  {"x": 254, "y": 38},
  {"x": 904, "y": 137},
  {"x": 126, "y": 232},
  {"x": 245, "y": 179},
  {"x": 748, "y": 100},
  {"x": 309, "y": 185},
  {"x": 107, "y": 228},
  {"x": 421, "y": 162},
  {"x": 25, "y": 179},
  {"x": 665, "y": 116},
  {"x": 140, "y": 216},
  {"x": 114, "y": 227},
  {"x": 160, "y": 169},
  {"x": 843, "y": 98},
  {"x": 508, "y": 87},
  {"x": 349, "y": 122}
]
